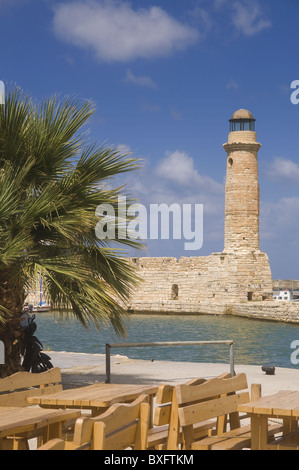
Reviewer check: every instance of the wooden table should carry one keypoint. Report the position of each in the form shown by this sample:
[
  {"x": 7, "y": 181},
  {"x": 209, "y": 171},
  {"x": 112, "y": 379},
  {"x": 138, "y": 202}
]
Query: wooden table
[
  {"x": 284, "y": 405},
  {"x": 17, "y": 424},
  {"x": 97, "y": 397}
]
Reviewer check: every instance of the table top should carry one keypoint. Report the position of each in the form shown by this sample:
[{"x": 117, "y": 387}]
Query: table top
[
  {"x": 94, "y": 396},
  {"x": 282, "y": 403},
  {"x": 15, "y": 420}
]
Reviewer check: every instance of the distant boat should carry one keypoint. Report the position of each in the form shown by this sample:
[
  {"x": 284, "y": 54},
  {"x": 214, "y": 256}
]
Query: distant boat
[{"x": 39, "y": 308}]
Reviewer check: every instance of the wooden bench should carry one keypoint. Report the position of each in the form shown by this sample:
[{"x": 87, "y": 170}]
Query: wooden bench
[
  {"x": 217, "y": 398},
  {"x": 166, "y": 417},
  {"x": 122, "y": 426},
  {"x": 15, "y": 389}
]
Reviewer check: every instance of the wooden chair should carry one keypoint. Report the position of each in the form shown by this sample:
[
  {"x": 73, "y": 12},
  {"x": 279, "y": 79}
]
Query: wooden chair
[
  {"x": 166, "y": 418},
  {"x": 217, "y": 398},
  {"x": 15, "y": 389},
  {"x": 122, "y": 426}
]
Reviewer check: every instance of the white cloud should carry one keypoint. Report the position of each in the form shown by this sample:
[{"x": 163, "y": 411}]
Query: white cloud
[
  {"x": 176, "y": 180},
  {"x": 284, "y": 170},
  {"x": 179, "y": 167},
  {"x": 218, "y": 4},
  {"x": 279, "y": 220},
  {"x": 140, "y": 80},
  {"x": 175, "y": 114},
  {"x": 114, "y": 31},
  {"x": 151, "y": 108},
  {"x": 182, "y": 185},
  {"x": 232, "y": 85},
  {"x": 247, "y": 17}
]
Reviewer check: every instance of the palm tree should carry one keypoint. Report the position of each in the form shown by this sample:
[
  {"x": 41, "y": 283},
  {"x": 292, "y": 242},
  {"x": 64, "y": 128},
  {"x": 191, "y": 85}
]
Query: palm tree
[{"x": 51, "y": 182}]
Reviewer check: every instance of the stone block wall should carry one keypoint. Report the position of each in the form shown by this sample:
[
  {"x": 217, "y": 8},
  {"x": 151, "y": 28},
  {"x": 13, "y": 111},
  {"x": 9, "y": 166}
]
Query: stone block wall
[
  {"x": 220, "y": 277},
  {"x": 167, "y": 279}
]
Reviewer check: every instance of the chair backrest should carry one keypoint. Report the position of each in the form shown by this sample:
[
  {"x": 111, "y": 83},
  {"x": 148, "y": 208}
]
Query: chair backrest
[
  {"x": 122, "y": 426},
  {"x": 166, "y": 411},
  {"x": 215, "y": 398},
  {"x": 53, "y": 444},
  {"x": 15, "y": 389},
  {"x": 164, "y": 402}
]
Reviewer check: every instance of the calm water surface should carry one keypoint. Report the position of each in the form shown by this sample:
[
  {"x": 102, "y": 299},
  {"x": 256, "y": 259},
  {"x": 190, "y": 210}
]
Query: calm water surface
[{"x": 255, "y": 342}]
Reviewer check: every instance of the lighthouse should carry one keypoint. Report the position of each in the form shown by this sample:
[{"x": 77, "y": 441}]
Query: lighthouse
[
  {"x": 226, "y": 281},
  {"x": 241, "y": 231}
]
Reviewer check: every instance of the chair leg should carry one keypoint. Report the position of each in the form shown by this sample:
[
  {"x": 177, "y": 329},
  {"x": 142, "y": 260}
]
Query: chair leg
[{"x": 14, "y": 443}]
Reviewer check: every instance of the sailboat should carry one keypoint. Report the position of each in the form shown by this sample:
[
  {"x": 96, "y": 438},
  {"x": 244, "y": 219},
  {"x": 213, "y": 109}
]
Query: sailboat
[{"x": 42, "y": 306}]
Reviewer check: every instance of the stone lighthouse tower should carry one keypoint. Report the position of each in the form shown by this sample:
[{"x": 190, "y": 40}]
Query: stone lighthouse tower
[
  {"x": 242, "y": 185},
  {"x": 248, "y": 273}
]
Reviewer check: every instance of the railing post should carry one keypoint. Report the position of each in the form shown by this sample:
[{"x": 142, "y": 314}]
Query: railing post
[
  {"x": 108, "y": 375},
  {"x": 232, "y": 360},
  {"x": 2, "y": 353}
]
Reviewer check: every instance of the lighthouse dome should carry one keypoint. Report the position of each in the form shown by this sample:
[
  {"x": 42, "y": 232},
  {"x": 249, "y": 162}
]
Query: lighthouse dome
[
  {"x": 242, "y": 114},
  {"x": 242, "y": 120}
]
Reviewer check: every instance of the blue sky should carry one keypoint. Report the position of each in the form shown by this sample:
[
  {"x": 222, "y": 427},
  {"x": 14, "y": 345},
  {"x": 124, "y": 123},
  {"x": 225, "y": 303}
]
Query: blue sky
[{"x": 166, "y": 77}]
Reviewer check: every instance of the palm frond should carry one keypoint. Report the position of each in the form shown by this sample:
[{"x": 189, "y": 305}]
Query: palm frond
[{"x": 51, "y": 182}]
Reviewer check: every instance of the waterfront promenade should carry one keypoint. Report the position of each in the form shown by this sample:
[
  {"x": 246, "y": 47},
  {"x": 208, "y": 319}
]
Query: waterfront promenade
[{"x": 79, "y": 369}]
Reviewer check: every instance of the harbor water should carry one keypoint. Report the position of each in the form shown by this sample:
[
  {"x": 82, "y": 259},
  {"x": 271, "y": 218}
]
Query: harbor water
[{"x": 255, "y": 342}]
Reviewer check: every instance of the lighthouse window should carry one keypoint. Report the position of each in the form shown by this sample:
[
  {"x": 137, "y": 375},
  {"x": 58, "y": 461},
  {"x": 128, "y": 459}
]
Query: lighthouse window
[{"x": 242, "y": 125}]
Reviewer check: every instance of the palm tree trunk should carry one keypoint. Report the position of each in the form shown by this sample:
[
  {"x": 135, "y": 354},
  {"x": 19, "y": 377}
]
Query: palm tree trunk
[{"x": 11, "y": 303}]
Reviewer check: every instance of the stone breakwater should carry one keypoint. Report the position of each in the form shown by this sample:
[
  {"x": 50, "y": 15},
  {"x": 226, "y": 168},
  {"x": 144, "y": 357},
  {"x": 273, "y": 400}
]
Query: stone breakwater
[
  {"x": 264, "y": 310},
  {"x": 267, "y": 310}
]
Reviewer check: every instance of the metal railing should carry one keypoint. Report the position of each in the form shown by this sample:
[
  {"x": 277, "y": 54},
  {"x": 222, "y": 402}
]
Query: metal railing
[{"x": 158, "y": 344}]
